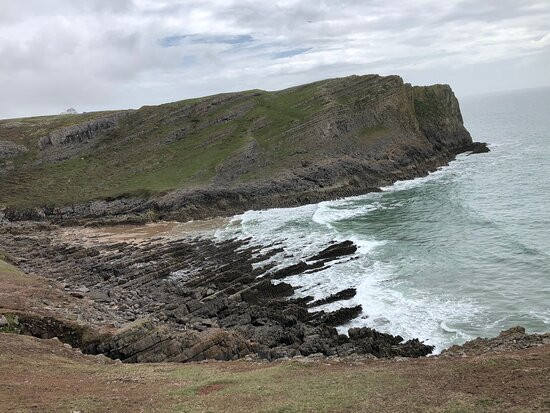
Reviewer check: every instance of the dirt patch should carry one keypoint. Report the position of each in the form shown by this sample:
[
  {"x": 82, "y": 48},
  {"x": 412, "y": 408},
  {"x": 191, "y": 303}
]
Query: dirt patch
[
  {"x": 211, "y": 388},
  {"x": 22, "y": 292},
  {"x": 48, "y": 376},
  {"x": 171, "y": 230}
]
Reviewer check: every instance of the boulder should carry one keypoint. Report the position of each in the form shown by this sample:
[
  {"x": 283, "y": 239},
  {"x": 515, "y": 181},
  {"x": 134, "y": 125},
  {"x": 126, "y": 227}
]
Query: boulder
[
  {"x": 340, "y": 295},
  {"x": 335, "y": 251}
]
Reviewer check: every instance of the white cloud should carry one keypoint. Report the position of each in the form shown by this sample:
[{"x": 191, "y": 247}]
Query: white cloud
[{"x": 103, "y": 54}]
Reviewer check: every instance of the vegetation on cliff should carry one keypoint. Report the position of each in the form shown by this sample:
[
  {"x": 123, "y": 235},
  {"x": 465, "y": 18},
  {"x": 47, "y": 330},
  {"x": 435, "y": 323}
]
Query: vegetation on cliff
[{"x": 329, "y": 138}]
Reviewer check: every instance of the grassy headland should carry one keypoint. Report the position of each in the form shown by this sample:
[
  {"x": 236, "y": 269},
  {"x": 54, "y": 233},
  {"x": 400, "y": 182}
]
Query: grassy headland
[{"x": 222, "y": 141}]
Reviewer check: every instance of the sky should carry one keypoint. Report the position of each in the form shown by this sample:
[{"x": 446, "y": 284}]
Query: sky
[{"x": 117, "y": 54}]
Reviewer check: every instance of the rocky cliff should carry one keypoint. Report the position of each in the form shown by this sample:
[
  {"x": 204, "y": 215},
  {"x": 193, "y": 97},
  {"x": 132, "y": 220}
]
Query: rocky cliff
[{"x": 223, "y": 154}]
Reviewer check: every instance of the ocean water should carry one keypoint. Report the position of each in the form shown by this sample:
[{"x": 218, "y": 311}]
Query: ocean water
[{"x": 461, "y": 253}]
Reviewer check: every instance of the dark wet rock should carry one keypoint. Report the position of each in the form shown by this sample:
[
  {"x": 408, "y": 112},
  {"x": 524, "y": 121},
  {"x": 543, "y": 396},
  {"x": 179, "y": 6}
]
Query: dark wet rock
[
  {"x": 335, "y": 251},
  {"x": 295, "y": 269},
  {"x": 266, "y": 290},
  {"x": 512, "y": 339},
  {"x": 201, "y": 299},
  {"x": 477, "y": 147},
  {"x": 314, "y": 344},
  {"x": 369, "y": 341},
  {"x": 338, "y": 317},
  {"x": 340, "y": 295}
]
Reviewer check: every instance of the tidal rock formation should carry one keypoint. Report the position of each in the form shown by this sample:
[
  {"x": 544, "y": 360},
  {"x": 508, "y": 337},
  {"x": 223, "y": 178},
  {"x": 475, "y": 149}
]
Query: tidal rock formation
[
  {"x": 340, "y": 295},
  {"x": 189, "y": 299},
  {"x": 514, "y": 338}
]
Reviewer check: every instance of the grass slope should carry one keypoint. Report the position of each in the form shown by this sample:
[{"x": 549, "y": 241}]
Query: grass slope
[
  {"x": 184, "y": 144},
  {"x": 44, "y": 375}
]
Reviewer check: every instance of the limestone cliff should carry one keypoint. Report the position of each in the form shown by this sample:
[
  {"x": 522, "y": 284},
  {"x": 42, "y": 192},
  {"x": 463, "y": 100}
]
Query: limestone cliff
[{"x": 226, "y": 153}]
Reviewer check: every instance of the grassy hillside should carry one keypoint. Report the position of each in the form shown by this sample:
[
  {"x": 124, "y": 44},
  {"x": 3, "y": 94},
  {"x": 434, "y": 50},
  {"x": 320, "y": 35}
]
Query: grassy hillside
[
  {"x": 237, "y": 137},
  {"x": 46, "y": 376}
]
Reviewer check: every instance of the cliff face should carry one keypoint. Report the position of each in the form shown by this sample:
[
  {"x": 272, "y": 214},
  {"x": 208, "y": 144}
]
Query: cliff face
[
  {"x": 439, "y": 116},
  {"x": 227, "y": 153}
]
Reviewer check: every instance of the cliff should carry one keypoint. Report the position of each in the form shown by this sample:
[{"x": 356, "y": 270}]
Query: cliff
[{"x": 223, "y": 154}]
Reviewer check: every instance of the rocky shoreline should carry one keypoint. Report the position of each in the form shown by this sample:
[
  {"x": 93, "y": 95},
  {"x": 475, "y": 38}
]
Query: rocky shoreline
[
  {"x": 190, "y": 299},
  {"x": 343, "y": 137},
  {"x": 343, "y": 178},
  {"x": 158, "y": 298}
]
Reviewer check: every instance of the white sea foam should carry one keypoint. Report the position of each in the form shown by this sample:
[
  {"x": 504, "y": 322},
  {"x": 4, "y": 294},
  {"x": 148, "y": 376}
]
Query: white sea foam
[
  {"x": 440, "y": 173},
  {"x": 327, "y": 213},
  {"x": 390, "y": 308},
  {"x": 303, "y": 231},
  {"x": 391, "y": 302}
]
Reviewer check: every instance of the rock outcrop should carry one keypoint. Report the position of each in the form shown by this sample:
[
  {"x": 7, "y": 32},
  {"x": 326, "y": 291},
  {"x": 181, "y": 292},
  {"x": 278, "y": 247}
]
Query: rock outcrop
[
  {"x": 76, "y": 134},
  {"x": 513, "y": 339},
  {"x": 191, "y": 299},
  {"x": 10, "y": 149},
  {"x": 143, "y": 342},
  {"x": 224, "y": 154}
]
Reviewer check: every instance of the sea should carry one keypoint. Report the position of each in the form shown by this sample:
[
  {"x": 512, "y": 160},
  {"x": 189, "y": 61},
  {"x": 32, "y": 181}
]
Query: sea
[{"x": 461, "y": 253}]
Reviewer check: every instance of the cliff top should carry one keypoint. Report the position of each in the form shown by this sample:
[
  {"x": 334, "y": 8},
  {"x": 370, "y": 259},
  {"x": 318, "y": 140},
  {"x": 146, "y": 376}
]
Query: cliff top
[{"x": 223, "y": 141}]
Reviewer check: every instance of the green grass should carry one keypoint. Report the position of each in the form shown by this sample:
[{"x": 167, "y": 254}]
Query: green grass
[
  {"x": 144, "y": 164},
  {"x": 139, "y": 157},
  {"x": 5, "y": 267},
  {"x": 427, "y": 102},
  {"x": 291, "y": 387},
  {"x": 13, "y": 325},
  {"x": 44, "y": 375}
]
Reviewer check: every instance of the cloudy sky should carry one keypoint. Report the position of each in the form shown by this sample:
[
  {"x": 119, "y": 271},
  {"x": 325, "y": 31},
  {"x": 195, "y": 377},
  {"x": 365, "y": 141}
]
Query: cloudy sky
[{"x": 109, "y": 54}]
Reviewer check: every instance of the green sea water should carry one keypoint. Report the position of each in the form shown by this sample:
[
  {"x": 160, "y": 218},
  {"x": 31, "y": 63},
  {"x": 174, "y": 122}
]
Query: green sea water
[{"x": 461, "y": 253}]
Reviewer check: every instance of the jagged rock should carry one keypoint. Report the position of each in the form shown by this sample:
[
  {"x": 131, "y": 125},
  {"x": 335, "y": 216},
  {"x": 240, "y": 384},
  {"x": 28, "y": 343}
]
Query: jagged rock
[
  {"x": 335, "y": 251},
  {"x": 143, "y": 342},
  {"x": 512, "y": 339},
  {"x": 78, "y": 133},
  {"x": 477, "y": 147},
  {"x": 295, "y": 269},
  {"x": 340, "y": 295},
  {"x": 368, "y": 341},
  {"x": 340, "y": 316},
  {"x": 266, "y": 290},
  {"x": 315, "y": 345}
]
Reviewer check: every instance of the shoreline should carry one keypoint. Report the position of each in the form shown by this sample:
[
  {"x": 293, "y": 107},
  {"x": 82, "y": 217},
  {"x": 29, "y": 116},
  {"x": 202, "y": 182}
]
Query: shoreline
[
  {"x": 116, "y": 313},
  {"x": 195, "y": 289},
  {"x": 214, "y": 202},
  {"x": 136, "y": 233}
]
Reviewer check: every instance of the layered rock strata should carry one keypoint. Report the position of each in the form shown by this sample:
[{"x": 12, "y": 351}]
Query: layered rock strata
[{"x": 192, "y": 299}]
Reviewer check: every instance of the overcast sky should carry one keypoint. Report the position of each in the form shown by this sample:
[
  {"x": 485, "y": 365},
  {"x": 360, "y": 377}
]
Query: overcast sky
[{"x": 112, "y": 54}]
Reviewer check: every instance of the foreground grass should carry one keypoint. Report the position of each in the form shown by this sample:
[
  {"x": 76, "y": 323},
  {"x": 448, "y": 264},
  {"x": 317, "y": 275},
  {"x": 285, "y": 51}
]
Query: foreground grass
[
  {"x": 47, "y": 376},
  {"x": 44, "y": 375}
]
